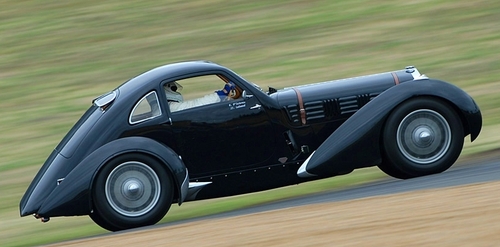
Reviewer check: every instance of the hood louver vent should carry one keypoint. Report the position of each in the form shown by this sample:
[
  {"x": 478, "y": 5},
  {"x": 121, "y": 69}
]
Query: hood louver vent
[
  {"x": 330, "y": 108},
  {"x": 348, "y": 104},
  {"x": 293, "y": 113},
  {"x": 314, "y": 110}
]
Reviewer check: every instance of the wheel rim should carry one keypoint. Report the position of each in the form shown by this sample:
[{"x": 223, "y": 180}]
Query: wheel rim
[
  {"x": 132, "y": 189},
  {"x": 424, "y": 136}
]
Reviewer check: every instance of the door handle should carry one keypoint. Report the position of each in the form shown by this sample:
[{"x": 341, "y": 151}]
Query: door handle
[{"x": 256, "y": 106}]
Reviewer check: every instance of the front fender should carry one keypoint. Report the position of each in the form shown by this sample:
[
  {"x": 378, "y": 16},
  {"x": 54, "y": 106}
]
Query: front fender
[
  {"x": 355, "y": 143},
  {"x": 73, "y": 195}
]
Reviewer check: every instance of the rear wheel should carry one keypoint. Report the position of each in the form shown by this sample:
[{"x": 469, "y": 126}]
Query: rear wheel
[
  {"x": 130, "y": 191},
  {"x": 422, "y": 136}
]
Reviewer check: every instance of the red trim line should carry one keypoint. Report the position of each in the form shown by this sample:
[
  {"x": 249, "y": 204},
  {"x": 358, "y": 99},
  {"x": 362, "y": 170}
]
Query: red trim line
[
  {"x": 301, "y": 106},
  {"x": 396, "y": 79}
]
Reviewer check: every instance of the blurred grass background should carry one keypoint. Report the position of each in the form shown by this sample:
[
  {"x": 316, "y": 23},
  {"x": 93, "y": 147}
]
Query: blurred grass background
[{"x": 56, "y": 56}]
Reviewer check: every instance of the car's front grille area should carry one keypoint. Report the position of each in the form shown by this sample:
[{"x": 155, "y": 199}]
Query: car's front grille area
[{"x": 329, "y": 108}]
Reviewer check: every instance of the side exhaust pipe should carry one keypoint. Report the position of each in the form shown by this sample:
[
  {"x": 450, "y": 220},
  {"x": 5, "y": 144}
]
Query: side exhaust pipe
[{"x": 42, "y": 219}]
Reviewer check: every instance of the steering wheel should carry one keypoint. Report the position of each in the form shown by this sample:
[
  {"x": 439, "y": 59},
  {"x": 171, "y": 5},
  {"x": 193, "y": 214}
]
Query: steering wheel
[{"x": 235, "y": 93}]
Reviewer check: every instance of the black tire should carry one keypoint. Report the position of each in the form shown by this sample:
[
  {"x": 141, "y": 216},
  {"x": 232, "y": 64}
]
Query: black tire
[
  {"x": 132, "y": 190},
  {"x": 422, "y": 136},
  {"x": 99, "y": 220}
]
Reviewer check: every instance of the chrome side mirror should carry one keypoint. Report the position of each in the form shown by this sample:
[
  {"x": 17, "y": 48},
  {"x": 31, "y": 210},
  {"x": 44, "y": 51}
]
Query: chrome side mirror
[{"x": 245, "y": 95}]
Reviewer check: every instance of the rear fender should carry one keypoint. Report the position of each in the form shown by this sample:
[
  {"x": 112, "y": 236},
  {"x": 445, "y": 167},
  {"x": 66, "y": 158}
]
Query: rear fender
[
  {"x": 73, "y": 195},
  {"x": 356, "y": 143}
]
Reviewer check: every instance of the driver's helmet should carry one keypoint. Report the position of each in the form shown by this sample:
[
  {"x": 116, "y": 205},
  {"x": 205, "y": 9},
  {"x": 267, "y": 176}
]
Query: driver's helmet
[{"x": 172, "y": 92}]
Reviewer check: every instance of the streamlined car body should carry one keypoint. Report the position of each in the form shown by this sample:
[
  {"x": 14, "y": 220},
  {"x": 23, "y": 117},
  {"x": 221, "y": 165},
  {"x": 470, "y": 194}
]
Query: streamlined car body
[{"x": 131, "y": 155}]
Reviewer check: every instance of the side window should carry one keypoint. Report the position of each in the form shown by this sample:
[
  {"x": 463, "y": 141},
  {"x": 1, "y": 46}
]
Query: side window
[
  {"x": 147, "y": 108},
  {"x": 198, "y": 91}
]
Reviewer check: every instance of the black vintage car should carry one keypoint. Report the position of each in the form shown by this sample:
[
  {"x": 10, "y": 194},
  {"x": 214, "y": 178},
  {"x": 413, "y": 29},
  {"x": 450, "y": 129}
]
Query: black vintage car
[{"x": 142, "y": 147}]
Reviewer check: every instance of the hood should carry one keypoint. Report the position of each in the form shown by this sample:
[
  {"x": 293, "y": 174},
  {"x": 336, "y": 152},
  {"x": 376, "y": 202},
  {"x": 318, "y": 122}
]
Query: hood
[
  {"x": 344, "y": 88},
  {"x": 337, "y": 99}
]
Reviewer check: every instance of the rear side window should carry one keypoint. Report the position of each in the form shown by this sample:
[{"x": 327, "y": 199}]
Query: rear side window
[{"x": 145, "y": 109}]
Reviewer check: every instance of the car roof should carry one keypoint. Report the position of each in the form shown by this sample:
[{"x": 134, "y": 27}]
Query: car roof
[{"x": 148, "y": 79}]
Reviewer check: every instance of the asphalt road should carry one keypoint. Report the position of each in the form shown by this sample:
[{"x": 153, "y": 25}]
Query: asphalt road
[
  {"x": 476, "y": 170},
  {"x": 470, "y": 172},
  {"x": 466, "y": 173}
]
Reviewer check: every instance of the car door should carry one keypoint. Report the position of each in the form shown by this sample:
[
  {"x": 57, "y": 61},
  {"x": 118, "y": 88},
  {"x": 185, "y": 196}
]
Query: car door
[{"x": 223, "y": 137}]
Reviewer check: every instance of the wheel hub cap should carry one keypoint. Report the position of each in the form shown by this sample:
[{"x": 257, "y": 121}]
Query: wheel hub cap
[
  {"x": 423, "y": 136},
  {"x": 132, "y": 189}
]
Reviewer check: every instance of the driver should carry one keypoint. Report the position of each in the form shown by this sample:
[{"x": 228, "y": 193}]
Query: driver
[
  {"x": 176, "y": 101},
  {"x": 171, "y": 91}
]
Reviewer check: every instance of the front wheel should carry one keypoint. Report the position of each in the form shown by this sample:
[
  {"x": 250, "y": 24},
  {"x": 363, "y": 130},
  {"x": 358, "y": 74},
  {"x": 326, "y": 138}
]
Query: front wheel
[
  {"x": 130, "y": 191},
  {"x": 422, "y": 136}
]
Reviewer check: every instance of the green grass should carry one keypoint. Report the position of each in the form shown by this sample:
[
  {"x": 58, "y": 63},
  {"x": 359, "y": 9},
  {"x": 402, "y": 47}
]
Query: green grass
[{"x": 56, "y": 56}]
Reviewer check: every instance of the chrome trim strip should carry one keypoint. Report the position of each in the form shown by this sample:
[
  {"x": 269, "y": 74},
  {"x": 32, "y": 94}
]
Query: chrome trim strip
[
  {"x": 415, "y": 73},
  {"x": 302, "y": 171},
  {"x": 104, "y": 99},
  {"x": 194, "y": 185},
  {"x": 184, "y": 188},
  {"x": 194, "y": 188}
]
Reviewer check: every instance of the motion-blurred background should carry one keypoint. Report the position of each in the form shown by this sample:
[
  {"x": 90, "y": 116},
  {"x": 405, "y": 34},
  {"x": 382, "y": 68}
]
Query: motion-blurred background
[{"x": 56, "y": 56}]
